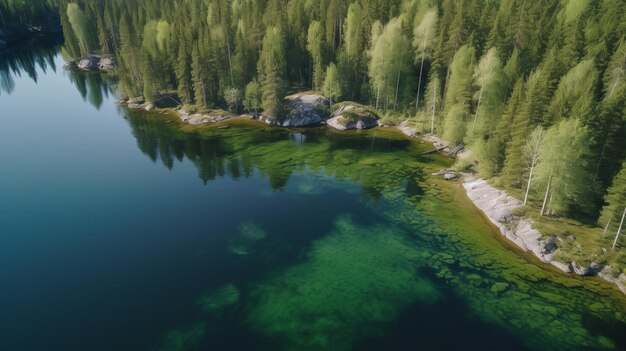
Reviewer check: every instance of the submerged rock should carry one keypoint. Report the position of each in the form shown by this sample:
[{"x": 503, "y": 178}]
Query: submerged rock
[{"x": 353, "y": 116}]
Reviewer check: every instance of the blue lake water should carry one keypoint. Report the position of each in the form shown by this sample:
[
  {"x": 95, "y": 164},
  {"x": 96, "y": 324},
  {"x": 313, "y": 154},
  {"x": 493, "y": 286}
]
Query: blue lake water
[{"x": 123, "y": 230}]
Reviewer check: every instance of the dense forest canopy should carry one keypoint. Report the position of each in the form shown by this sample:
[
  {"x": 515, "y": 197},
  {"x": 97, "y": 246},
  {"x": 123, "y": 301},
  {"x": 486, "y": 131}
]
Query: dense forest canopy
[{"x": 536, "y": 89}]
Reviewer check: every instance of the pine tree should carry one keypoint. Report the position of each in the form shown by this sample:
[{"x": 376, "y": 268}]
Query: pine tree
[
  {"x": 183, "y": 73},
  {"x": 315, "y": 46},
  {"x": 614, "y": 201},
  {"x": 272, "y": 68},
  {"x": 530, "y": 115}
]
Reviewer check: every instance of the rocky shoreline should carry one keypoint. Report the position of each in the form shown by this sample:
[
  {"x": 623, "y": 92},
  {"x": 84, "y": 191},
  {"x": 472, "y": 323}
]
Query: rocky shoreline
[
  {"x": 499, "y": 207},
  {"x": 496, "y": 204},
  {"x": 303, "y": 110}
]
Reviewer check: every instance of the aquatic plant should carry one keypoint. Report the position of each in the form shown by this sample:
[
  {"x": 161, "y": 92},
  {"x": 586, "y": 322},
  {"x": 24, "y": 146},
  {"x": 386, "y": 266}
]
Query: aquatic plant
[
  {"x": 353, "y": 280},
  {"x": 183, "y": 339},
  {"x": 218, "y": 299}
]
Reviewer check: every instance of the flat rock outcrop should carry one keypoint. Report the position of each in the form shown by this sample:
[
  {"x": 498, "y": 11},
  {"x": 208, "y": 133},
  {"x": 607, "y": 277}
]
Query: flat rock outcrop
[
  {"x": 353, "y": 116},
  {"x": 302, "y": 110},
  {"x": 203, "y": 118},
  {"x": 498, "y": 207}
]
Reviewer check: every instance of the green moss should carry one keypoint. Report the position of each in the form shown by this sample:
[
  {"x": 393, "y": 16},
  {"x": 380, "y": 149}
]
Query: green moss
[{"x": 499, "y": 287}]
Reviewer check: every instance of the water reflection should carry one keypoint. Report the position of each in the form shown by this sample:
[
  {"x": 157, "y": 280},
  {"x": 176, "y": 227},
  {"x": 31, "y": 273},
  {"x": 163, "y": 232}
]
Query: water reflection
[
  {"x": 27, "y": 59},
  {"x": 93, "y": 87}
]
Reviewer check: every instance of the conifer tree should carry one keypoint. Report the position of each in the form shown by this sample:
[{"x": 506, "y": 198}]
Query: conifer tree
[
  {"x": 614, "y": 201},
  {"x": 315, "y": 46},
  {"x": 530, "y": 114},
  {"x": 271, "y": 69}
]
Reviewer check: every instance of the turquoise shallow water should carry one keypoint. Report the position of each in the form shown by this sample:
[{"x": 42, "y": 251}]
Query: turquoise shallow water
[{"x": 127, "y": 231}]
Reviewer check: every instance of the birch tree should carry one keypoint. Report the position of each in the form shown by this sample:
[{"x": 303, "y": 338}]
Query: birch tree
[
  {"x": 433, "y": 96},
  {"x": 458, "y": 94},
  {"x": 488, "y": 79},
  {"x": 563, "y": 167},
  {"x": 423, "y": 38},
  {"x": 315, "y": 46},
  {"x": 531, "y": 152},
  {"x": 390, "y": 62},
  {"x": 252, "y": 97},
  {"x": 332, "y": 84}
]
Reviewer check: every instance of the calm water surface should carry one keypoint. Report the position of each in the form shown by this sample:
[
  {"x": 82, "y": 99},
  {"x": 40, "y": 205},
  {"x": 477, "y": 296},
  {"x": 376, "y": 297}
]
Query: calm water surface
[{"x": 127, "y": 231}]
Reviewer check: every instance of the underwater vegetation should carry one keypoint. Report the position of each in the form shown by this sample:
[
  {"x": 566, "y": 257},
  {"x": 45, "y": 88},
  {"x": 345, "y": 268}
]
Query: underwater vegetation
[
  {"x": 423, "y": 243},
  {"x": 344, "y": 291},
  {"x": 218, "y": 300},
  {"x": 182, "y": 339},
  {"x": 248, "y": 234}
]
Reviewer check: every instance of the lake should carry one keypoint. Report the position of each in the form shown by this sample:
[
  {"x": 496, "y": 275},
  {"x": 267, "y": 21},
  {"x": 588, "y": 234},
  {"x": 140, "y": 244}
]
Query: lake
[{"x": 126, "y": 230}]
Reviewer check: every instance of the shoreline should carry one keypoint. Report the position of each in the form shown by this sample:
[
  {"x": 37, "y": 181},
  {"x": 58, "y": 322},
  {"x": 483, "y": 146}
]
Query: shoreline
[
  {"x": 498, "y": 206},
  {"x": 495, "y": 203}
]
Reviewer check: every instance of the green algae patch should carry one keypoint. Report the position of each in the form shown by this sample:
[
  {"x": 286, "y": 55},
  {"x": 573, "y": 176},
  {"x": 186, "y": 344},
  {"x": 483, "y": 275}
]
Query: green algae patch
[
  {"x": 349, "y": 284},
  {"x": 219, "y": 299},
  {"x": 352, "y": 282},
  {"x": 183, "y": 339}
]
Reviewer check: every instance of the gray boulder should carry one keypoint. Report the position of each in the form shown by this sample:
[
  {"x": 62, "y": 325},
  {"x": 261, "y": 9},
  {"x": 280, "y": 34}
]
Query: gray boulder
[
  {"x": 89, "y": 63},
  {"x": 591, "y": 270},
  {"x": 353, "y": 116},
  {"x": 106, "y": 64},
  {"x": 450, "y": 176},
  {"x": 305, "y": 110}
]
